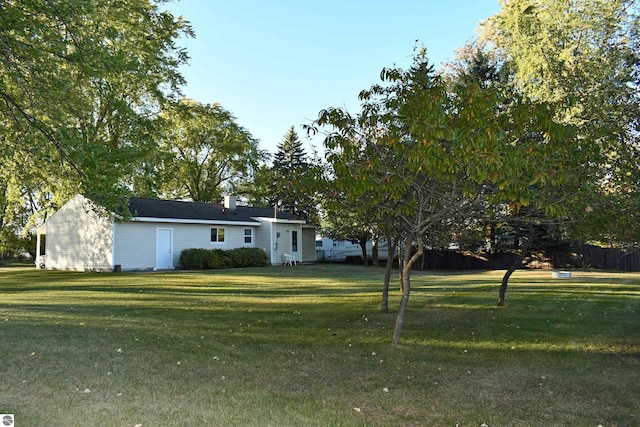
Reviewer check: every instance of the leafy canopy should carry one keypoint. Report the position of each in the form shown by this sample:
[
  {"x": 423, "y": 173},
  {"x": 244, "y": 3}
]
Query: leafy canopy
[
  {"x": 203, "y": 154},
  {"x": 81, "y": 83}
]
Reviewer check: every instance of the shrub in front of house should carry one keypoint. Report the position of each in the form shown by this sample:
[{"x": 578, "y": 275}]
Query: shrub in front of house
[
  {"x": 217, "y": 258},
  {"x": 249, "y": 257},
  {"x": 203, "y": 259},
  {"x": 193, "y": 259}
]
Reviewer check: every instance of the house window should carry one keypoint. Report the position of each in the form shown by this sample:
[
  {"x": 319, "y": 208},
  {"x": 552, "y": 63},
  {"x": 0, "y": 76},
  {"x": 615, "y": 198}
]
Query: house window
[
  {"x": 294, "y": 241},
  {"x": 217, "y": 235},
  {"x": 248, "y": 236}
]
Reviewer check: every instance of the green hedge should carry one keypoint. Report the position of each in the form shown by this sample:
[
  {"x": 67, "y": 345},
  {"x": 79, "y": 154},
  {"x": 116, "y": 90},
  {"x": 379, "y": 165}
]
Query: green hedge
[
  {"x": 203, "y": 259},
  {"x": 193, "y": 259},
  {"x": 248, "y": 257},
  {"x": 217, "y": 258}
]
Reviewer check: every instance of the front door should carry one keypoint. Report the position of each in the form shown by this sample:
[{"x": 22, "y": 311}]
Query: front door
[{"x": 164, "y": 248}]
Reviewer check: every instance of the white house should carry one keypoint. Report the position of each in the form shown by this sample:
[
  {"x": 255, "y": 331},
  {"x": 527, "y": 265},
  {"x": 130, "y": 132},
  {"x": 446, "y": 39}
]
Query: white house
[{"x": 81, "y": 236}]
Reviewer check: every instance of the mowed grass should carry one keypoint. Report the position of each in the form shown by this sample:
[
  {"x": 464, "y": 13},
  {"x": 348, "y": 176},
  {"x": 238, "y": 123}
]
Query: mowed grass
[{"x": 308, "y": 346}]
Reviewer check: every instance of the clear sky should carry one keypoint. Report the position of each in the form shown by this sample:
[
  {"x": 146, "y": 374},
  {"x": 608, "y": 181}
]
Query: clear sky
[{"x": 277, "y": 63}]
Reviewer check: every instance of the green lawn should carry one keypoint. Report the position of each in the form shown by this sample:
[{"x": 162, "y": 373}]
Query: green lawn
[{"x": 307, "y": 346}]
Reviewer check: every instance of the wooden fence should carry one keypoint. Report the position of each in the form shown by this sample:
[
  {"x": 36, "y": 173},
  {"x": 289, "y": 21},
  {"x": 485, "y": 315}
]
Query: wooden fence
[{"x": 564, "y": 257}]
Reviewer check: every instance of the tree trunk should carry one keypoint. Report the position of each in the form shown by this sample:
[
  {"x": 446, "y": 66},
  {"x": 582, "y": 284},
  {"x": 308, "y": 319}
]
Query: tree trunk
[
  {"x": 385, "y": 286},
  {"x": 518, "y": 262},
  {"x": 363, "y": 247},
  {"x": 406, "y": 290},
  {"x": 505, "y": 280},
  {"x": 400, "y": 266},
  {"x": 374, "y": 252},
  {"x": 406, "y": 286},
  {"x": 387, "y": 277}
]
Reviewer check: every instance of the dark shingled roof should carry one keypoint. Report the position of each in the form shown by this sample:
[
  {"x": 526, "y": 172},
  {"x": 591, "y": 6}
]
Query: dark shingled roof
[{"x": 174, "y": 209}]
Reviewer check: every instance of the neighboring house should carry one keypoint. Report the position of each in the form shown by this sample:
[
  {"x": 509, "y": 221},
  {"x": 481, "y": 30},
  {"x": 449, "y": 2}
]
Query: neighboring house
[
  {"x": 337, "y": 250},
  {"x": 81, "y": 236}
]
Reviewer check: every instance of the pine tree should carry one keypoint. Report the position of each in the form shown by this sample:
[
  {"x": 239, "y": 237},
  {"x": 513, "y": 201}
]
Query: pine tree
[
  {"x": 292, "y": 177},
  {"x": 290, "y": 157}
]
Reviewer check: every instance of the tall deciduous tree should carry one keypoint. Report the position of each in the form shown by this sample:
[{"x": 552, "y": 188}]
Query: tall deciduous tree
[
  {"x": 388, "y": 150},
  {"x": 478, "y": 67},
  {"x": 81, "y": 83},
  {"x": 258, "y": 192},
  {"x": 451, "y": 148},
  {"x": 203, "y": 153},
  {"x": 582, "y": 57},
  {"x": 347, "y": 219},
  {"x": 343, "y": 222}
]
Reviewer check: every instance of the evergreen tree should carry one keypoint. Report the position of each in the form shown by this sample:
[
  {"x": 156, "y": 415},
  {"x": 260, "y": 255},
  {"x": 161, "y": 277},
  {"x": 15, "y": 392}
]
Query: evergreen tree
[
  {"x": 293, "y": 178},
  {"x": 290, "y": 156}
]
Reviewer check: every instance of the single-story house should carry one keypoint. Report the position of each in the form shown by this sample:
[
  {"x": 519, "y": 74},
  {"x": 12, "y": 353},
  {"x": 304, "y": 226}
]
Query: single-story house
[{"x": 82, "y": 236}]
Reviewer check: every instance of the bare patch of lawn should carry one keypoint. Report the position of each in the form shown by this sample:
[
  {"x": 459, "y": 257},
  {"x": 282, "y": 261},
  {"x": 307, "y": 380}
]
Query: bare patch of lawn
[{"x": 308, "y": 346}]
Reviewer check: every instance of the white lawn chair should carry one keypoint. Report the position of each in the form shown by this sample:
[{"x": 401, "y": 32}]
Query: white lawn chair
[
  {"x": 41, "y": 261},
  {"x": 290, "y": 260}
]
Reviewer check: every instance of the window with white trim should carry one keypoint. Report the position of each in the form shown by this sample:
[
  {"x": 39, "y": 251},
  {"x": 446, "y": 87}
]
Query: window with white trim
[
  {"x": 217, "y": 235},
  {"x": 248, "y": 236}
]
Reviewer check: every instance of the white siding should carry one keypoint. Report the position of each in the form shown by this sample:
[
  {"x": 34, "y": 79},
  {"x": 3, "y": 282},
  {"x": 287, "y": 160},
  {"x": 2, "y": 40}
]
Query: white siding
[
  {"x": 263, "y": 237},
  {"x": 281, "y": 245},
  {"x": 135, "y": 242},
  {"x": 79, "y": 237},
  {"x": 135, "y": 245},
  {"x": 276, "y": 240},
  {"x": 282, "y": 241}
]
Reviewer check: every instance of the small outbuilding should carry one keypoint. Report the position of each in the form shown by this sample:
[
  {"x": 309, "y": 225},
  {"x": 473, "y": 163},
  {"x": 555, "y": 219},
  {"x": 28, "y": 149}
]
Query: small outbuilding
[{"x": 84, "y": 236}]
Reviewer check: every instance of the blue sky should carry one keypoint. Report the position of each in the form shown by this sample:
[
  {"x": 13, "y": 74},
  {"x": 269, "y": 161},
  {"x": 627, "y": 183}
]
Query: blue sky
[{"x": 277, "y": 63}]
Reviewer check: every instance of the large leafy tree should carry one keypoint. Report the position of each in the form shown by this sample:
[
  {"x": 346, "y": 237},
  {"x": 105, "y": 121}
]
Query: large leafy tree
[
  {"x": 579, "y": 59},
  {"x": 344, "y": 221},
  {"x": 81, "y": 84},
  {"x": 258, "y": 192},
  {"x": 512, "y": 211},
  {"x": 345, "y": 218},
  {"x": 450, "y": 149},
  {"x": 203, "y": 154},
  {"x": 352, "y": 212},
  {"x": 582, "y": 57},
  {"x": 389, "y": 151}
]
